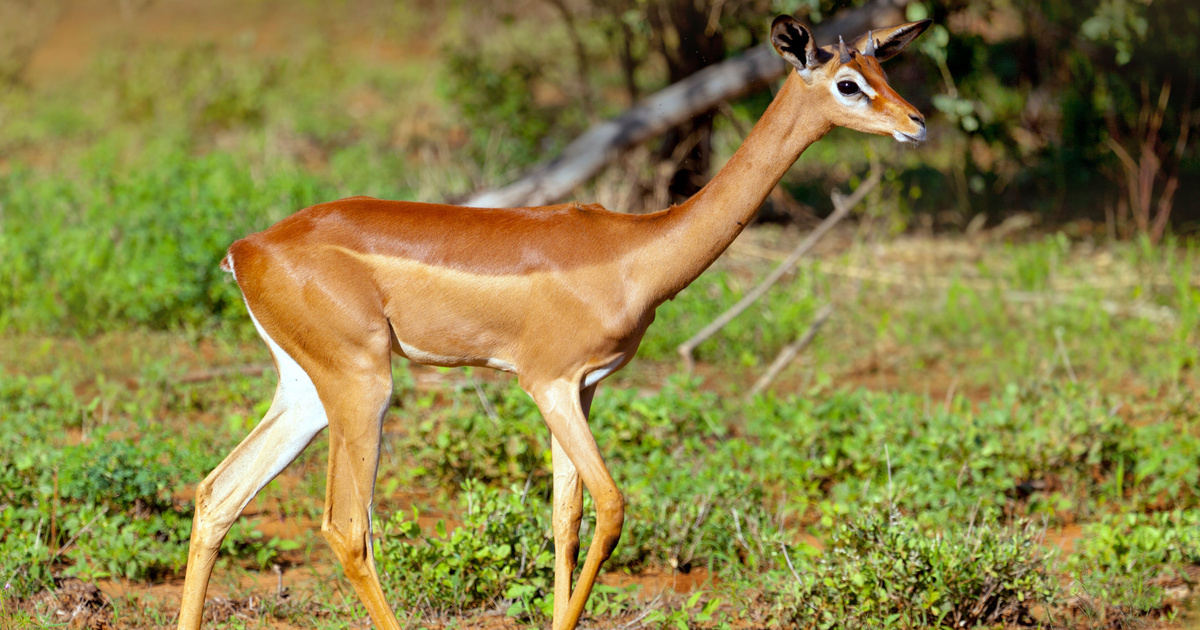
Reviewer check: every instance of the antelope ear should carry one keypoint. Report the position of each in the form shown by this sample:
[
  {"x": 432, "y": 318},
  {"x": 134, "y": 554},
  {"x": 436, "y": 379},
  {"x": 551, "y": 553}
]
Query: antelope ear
[
  {"x": 885, "y": 43},
  {"x": 794, "y": 42}
]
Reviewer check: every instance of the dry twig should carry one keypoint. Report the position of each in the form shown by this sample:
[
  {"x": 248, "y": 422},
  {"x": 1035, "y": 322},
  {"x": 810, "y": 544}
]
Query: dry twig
[
  {"x": 841, "y": 206},
  {"x": 790, "y": 351}
]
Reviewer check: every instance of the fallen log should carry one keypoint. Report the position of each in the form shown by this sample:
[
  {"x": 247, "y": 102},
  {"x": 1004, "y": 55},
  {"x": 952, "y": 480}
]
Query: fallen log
[{"x": 737, "y": 76}]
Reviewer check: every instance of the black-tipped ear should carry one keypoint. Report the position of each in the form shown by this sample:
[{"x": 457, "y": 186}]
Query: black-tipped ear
[
  {"x": 794, "y": 42},
  {"x": 887, "y": 42}
]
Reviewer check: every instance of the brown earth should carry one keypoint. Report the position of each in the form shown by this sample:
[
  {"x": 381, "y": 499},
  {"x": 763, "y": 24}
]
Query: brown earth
[{"x": 368, "y": 31}]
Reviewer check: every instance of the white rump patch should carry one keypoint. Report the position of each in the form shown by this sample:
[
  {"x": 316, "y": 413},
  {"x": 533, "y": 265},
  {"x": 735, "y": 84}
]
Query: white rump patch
[
  {"x": 300, "y": 412},
  {"x": 295, "y": 417}
]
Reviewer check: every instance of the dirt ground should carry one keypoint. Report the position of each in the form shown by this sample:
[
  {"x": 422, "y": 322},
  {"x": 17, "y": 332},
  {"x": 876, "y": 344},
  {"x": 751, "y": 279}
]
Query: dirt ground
[{"x": 83, "y": 28}]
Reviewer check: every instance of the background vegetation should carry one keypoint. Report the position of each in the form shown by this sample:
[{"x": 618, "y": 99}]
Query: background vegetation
[{"x": 997, "y": 427}]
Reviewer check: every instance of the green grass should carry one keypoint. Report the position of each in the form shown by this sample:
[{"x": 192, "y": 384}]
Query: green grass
[
  {"x": 779, "y": 495},
  {"x": 881, "y": 571},
  {"x": 755, "y": 475},
  {"x": 743, "y": 488}
]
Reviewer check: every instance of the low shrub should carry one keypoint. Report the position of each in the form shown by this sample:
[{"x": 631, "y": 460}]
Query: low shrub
[
  {"x": 1121, "y": 564},
  {"x": 117, "y": 473},
  {"x": 883, "y": 571},
  {"x": 501, "y": 554},
  {"x": 101, "y": 508},
  {"x": 1126, "y": 542}
]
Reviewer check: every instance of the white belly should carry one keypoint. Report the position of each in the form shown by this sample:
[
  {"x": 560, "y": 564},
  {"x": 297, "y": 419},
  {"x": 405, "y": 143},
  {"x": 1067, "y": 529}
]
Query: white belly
[{"x": 423, "y": 357}]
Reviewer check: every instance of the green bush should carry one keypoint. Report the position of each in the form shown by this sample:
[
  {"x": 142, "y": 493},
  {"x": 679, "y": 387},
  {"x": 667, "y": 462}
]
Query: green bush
[
  {"x": 1127, "y": 542},
  {"x": 452, "y": 445},
  {"x": 134, "y": 248},
  {"x": 111, "y": 544},
  {"x": 501, "y": 554},
  {"x": 101, "y": 508},
  {"x": 1121, "y": 563},
  {"x": 707, "y": 512},
  {"x": 1037, "y": 451},
  {"x": 885, "y": 572},
  {"x": 117, "y": 473},
  {"x": 25, "y": 555}
]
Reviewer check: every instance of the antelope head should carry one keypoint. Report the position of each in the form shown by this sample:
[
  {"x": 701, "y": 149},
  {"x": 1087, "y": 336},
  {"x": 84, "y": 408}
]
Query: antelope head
[{"x": 853, "y": 88}]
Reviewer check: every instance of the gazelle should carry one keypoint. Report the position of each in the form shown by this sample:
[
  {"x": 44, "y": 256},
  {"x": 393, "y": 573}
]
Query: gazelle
[{"x": 558, "y": 295}]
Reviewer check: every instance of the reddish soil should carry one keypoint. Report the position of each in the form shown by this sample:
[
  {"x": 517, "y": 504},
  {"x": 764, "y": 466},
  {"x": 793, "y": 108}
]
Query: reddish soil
[
  {"x": 85, "y": 27},
  {"x": 653, "y": 583},
  {"x": 1064, "y": 537}
]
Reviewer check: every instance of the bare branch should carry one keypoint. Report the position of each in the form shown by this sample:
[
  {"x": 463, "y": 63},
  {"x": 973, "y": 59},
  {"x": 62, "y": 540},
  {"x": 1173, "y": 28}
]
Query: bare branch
[
  {"x": 790, "y": 352},
  {"x": 841, "y": 209}
]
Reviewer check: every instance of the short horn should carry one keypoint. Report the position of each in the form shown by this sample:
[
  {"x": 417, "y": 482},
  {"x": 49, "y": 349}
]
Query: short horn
[
  {"x": 842, "y": 52},
  {"x": 870, "y": 51}
]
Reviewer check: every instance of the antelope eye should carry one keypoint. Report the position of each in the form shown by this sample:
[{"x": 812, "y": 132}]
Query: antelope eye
[{"x": 848, "y": 88}]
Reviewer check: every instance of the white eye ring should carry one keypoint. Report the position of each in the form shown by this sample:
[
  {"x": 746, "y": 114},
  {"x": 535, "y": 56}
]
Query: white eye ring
[{"x": 851, "y": 89}]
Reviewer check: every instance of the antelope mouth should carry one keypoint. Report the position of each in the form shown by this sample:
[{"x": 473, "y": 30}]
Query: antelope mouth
[{"x": 910, "y": 138}]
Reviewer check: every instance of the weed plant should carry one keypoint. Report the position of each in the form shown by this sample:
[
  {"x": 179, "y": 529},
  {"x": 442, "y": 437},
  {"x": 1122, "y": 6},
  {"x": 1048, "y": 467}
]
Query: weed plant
[
  {"x": 882, "y": 571},
  {"x": 1123, "y": 561},
  {"x": 1123, "y": 542},
  {"x": 136, "y": 246},
  {"x": 501, "y": 554},
  {"x": 711, "y": 481}
]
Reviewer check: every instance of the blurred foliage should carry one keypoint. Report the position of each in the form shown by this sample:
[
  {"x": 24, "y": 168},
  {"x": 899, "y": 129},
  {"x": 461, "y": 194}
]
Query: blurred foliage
[
  {"x": 1041, "y": 105},
  {"x": 120, "y": 190},
  {"x": 22, "y": 25},
  {"x": 1052, "y": 85},
  {"x": 135, "y": 245}
]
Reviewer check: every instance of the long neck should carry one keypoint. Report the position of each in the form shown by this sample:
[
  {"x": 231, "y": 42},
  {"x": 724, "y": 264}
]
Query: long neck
[{"x": 694, "y": 234}]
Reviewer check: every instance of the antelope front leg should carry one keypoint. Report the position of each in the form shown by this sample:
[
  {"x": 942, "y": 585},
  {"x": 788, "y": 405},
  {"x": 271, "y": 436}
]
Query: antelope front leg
[
  {"x": 568, "y": 513},
  {"x": 561, "y": 406}
]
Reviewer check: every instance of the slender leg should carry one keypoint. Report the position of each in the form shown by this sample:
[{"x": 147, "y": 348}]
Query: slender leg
[
  {"x": 560, "y": 404},
  {"x": 295, "y": 417},
  {"x": 568, "y": 512},
  {"x": 356, "y": 404}
]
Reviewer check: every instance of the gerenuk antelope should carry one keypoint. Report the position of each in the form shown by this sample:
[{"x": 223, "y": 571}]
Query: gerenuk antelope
[{"x": 558, "y": 295}]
